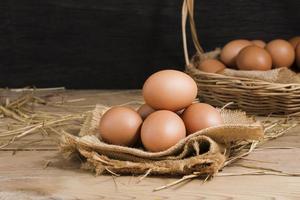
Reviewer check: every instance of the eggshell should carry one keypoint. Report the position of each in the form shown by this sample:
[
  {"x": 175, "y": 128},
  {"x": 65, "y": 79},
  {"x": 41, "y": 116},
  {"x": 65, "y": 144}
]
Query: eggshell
[
  {"x": 199, "y": 116},
  {"x": 254, "y": 58},
  {"x": 294, "y": 41},
  {"x": 298, "y": 55},
  {"x": 169, "y": 90},
  {"x": 211, "y": 66},
  {"x": 231, "y": 50},
  {"x": 282, "y": 53},
  {"x": 259, "y": 43},
  {"x": 120, "y": 126},
  {"x": 161, "y": 130},
  {"x": 145, "y": 110}
]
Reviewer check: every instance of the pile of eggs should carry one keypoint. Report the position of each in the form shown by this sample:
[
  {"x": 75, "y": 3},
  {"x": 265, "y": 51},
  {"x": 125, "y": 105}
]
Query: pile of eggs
[
  {"x": 255, "y": 55},
  {"x": 167, "y": 116}
]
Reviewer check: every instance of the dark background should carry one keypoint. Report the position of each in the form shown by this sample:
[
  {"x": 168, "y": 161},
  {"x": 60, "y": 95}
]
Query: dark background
[{"x": 118, "y": 43}]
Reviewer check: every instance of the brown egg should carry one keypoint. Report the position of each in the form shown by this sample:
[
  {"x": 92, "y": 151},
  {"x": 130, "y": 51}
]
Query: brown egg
[
  {"x": 120, "y": 126},
  {"x": 211, "y": 66},
  {"x": 231, "y": 50},
  {"x": 169, "y": 90},
  {"x": 145, "y": 110},
  {"x": 298, "y": 56},
  {"x": 259, "y": 43},
  {"x": 199, "y": 116},
  {"x": 254, "y": 58},
  {"x": 294, "y": 41},
  {"x": 161, "y": 130},
  {"x": 282, "y": 53}
]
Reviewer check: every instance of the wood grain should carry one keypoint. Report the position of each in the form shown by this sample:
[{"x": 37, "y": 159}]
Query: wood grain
[
  {"x": 24, "y": 175},
  {"x": 117, "y": 44}
]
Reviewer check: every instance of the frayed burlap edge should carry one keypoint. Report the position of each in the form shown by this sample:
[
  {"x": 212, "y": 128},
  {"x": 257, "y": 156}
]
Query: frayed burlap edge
[
  {"x": 208, "y": 163},
  {"x": 279, "y": 75},
  {"x": 201, "y": 152}
]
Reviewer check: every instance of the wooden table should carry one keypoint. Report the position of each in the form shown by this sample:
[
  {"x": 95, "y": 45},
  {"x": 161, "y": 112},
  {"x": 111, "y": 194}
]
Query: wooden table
[{"x": 45, "y": 174}]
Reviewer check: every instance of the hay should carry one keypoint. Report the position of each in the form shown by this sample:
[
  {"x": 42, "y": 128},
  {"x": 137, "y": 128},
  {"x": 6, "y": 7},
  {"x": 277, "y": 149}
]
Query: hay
[
  {"x": 188, "y": 159},
  {"x": 237, "y": 138},
  {"x": 25, "y": 120}
]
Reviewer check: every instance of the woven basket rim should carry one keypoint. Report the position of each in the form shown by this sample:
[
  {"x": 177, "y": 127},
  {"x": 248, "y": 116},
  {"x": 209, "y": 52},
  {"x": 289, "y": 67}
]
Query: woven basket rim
[{"x": 188, "y": 14}]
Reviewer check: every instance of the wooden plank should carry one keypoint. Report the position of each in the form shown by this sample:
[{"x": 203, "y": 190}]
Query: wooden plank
[
  {"x": 65, "y": 102},
  {"x": 23, "y": 174}
]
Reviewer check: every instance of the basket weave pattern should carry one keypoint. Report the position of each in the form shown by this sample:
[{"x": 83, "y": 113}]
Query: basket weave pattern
[{"x": 251, "y": 95}]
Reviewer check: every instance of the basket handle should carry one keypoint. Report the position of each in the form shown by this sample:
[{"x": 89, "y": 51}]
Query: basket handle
[{"x": 188, "y": 10}]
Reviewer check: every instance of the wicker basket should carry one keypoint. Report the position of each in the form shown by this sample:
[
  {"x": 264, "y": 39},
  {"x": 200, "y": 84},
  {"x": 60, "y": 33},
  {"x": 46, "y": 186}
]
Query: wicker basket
[{"x": 251, "y": 95}]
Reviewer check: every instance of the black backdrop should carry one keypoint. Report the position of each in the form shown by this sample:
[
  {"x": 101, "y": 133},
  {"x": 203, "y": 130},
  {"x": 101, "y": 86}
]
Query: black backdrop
[{"x": 118, "y": 43}]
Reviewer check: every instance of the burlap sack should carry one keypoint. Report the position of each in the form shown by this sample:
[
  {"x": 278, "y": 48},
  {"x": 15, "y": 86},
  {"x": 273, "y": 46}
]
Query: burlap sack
[
  {"x": 279, "y": 75},
  {"x": 202, "y": 152}
]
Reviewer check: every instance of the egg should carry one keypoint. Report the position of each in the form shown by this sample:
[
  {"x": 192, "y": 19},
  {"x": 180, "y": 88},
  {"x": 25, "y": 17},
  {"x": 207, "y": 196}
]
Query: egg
[
  {"x": 199, "y": 116},
  {"x": 298, "y": 56},
  {"x": 145, "y": 110},
  {"x": 254, "y": 58},
  {"x": 120, "y": 126},
  {"x": 231, "y": 50},
  {"x": 211, "y": 66},
  {"x": 282, "y": 53},
  {"x": 161, "y": 130},
  {"x": 169, "y": 90},
  {"x": 259, "y": 43},
  {"x": 294, "y": 41}
]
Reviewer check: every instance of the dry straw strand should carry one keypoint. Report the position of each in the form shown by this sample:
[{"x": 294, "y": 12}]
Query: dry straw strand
[
  {"x": 212, "y": 161},
  {"x": 28, "y": 121},
  {"x": 185, "y": 178},
  {"x": 235, "y": 150},
  {"x": 145, "y": 175}
]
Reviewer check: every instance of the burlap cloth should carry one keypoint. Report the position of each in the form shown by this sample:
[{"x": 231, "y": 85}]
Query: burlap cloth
[
  {"x": 279, "y": 75},
  {"x": 203, "y": 152}
]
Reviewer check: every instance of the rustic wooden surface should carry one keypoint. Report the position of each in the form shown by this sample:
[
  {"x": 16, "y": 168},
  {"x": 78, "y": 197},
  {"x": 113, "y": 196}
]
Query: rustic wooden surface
[{"x": 23, "y": 174}]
